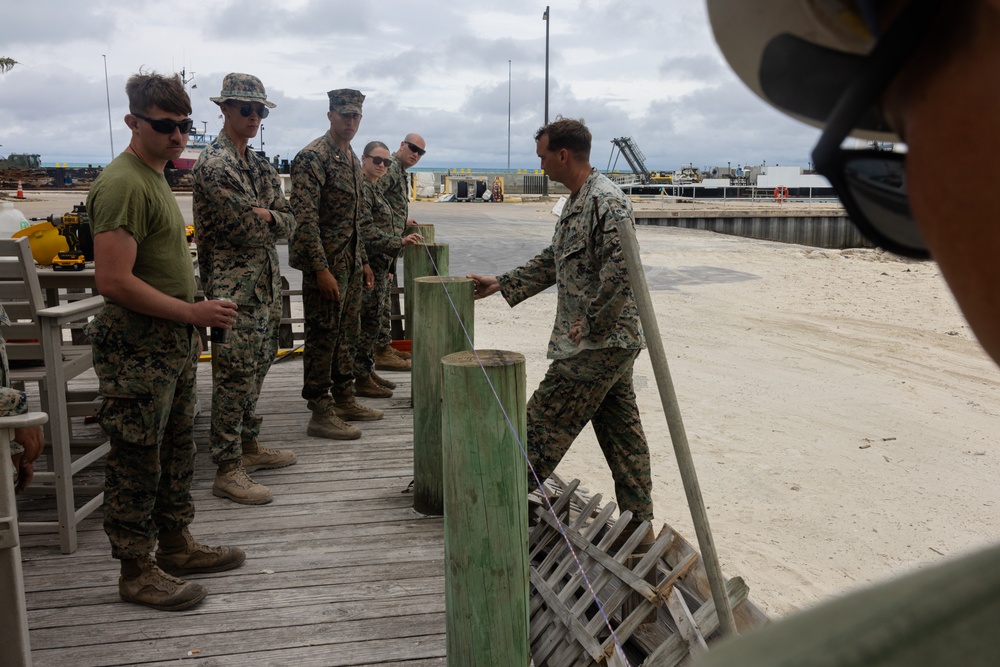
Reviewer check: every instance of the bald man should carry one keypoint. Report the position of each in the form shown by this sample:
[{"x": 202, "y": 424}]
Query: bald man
[{"x": 396, "y": 190}]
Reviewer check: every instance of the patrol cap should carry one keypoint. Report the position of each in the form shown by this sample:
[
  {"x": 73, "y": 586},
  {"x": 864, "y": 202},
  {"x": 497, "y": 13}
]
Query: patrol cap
[
  {"x": 346, "y": 100},
  {"x": 242, "y": 88},
  {"x": 800, "y": 55}
]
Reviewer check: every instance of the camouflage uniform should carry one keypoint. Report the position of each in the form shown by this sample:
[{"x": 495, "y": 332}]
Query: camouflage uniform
[
  {"x": 590, "y": 380},
  {"x": 12, "y": 401},
  {"x": 239, "y": 262},
  {"x": 382, "y": 244},
  {"x": 396, "y": 190},
  {"x": 327, "y": 199},
  {"x": 146, "y": 367}
]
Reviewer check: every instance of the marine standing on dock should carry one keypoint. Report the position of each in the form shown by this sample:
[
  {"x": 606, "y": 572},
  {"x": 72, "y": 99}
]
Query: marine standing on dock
[
  {"x": 382, "y": 244},
  {"x": 327, "y": 247},
  {"x": 239, "y": 215},
  {"x": 146, "y": 347},
  {"x": 396, "y": 188},
  {"x": 597, "y": 335}
]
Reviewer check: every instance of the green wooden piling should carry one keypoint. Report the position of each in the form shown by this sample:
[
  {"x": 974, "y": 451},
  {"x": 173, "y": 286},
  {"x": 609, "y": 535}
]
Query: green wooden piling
[
  {"x": 427, "y": 231},
  {"x": 417, "y": 263},
  {"x": 445, "y": 304},
  {"x": 486, "y": 509}
]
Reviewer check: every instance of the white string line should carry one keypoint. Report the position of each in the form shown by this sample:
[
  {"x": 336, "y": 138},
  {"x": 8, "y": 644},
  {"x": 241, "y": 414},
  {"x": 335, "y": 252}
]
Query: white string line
[{"x": 538, "y": 482}]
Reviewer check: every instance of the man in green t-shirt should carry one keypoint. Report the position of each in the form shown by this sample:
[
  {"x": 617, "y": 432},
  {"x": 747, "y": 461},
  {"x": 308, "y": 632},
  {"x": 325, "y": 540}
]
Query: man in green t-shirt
[{"x": 146, "y": 348}]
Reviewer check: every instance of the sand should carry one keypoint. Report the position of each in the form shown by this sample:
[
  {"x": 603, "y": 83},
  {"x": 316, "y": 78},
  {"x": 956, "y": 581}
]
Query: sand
[{"x": 839, "y": 410}]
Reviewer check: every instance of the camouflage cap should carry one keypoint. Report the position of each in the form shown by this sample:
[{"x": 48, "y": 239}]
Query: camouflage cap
[
  {"x": 346, "y": 100},
  {"x": 242, "y": 88}
]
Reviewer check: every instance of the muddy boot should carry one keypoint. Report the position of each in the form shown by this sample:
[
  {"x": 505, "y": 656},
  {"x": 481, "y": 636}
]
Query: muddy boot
[
  {"x": 257, "y": 457},
  {"x": 142, "y": 582},
  {"x": 385, "y": 360},
  {"x": 178, "y": 553},
  {"x": 348, "y": 409},
  {"x": 388, "y": 384},
  {"x": 232, "y": 481},
  {"x": 367, "y": 386},
  {"x": 324, "y": 423}
]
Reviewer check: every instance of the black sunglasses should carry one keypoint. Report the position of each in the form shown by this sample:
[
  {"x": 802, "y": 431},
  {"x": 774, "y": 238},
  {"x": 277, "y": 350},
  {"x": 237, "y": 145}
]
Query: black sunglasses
[
  {"x": 871, "y": 183},
  {"x": 416, "y": 149},
  {"x": 379, "y": 161},
  {"x": 247, "y": 109},
  {"x": 165, "y": 125}
]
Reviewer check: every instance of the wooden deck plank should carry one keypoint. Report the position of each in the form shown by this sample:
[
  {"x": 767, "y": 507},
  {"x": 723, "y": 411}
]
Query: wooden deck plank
[{"x": 340, "y": 570}]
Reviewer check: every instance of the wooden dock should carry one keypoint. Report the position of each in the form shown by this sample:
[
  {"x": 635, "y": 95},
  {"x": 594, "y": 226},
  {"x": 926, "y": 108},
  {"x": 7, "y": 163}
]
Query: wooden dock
[{"x": 340, "y": 570}]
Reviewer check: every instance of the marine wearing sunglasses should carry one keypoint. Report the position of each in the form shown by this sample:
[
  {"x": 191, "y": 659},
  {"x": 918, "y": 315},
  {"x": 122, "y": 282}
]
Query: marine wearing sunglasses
[
  {"x": 247, "y": 109},
  {"x": 871, "y": 184},
  {"x": 166, "y": 125}
]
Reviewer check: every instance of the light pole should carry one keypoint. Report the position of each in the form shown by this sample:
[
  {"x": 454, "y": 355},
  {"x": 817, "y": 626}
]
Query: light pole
[
  {"x": 545, "y": 17},
  {"x": 107, "y": 91},
  {"x": 508, "y": 115}
]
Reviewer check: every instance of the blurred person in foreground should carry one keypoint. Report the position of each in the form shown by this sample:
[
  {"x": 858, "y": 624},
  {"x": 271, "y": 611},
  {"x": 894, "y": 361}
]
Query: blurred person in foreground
[
  {"x": 396, "y": 188},
  {"x": 383, "y": 243},
  {"x": 326, "y": 246},
  {"x": 596, "y": 336},
  {"x": 239, "y": 215},
  {"x": 921, "y": 72},
  {"x": 146, "y": 346}
]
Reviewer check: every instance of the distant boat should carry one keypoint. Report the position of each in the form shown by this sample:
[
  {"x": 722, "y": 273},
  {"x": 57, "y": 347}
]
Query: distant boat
[{"x": 197, "y": 142}]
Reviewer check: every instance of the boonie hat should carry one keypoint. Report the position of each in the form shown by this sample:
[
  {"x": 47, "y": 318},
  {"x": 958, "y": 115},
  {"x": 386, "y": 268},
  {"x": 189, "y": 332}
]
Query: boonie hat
[
  {"x": 799, "y": 55},
  {"x": 242, "y": 88},
  {"x": 346, "y": 100}
]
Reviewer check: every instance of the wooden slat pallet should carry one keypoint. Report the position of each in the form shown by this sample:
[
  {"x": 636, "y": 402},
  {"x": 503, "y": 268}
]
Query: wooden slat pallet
[{"x": 658, "y": 624}]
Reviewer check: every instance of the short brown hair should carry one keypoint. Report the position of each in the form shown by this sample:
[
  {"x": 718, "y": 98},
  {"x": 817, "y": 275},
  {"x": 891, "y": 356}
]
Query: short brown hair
[
  {"x": 149, "y": 89},
  {"x": 567, "y": 133}
]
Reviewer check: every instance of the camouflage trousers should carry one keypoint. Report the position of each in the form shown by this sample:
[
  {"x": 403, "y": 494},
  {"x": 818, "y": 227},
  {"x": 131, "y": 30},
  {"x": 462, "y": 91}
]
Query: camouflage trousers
[
  {"x": 594, "y": 386},
  {"x": 146, "y": 367},
  {"x": 332, "y": 330},
  {"x": 384, "y": 336},
  {"x": 374, "y": 303},
  {"x": 238, "y": 369}
]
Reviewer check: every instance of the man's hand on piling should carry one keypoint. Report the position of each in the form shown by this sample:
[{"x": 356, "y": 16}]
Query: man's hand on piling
[{"x": 484, "y": 285}]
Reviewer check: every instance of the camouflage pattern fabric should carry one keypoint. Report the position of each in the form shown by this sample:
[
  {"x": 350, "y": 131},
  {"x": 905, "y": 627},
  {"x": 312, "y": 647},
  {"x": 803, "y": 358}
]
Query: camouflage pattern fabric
[
  {"x": 382, "y": 244},
  {"x": 594, "y": 386},
  {"x": 586, "y": 265},
  {"x": 590, "y": 380},
  {"x": 12, "y": 401},
  {"x": 327, "y": 199},
  {"x": 395, "y": 188},
  {"x": 146, "y": 366},
  {"x": 239, "y": 262}
]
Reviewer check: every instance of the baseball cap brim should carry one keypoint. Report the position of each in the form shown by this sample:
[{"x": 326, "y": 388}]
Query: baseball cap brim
[{"x": 797, "y": 55}]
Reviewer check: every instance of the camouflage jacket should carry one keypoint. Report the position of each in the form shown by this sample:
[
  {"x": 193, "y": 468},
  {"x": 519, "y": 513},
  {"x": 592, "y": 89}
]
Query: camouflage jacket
[
  {"x": 586, "y": 264},
  {"x": 12, "y": 401},
  {"x": 382, "y": 240},
  {"x": 236, "y": 247},
  {"x": 396, "y": 188},
  {"x": 327, "y": 199}
]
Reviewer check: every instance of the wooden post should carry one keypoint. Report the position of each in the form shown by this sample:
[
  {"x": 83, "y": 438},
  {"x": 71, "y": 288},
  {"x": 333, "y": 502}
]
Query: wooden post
[
  {"x": 427, "y": 231},
  {"x": 417, "y": 264},
  {"x": 486, "y": 509},
  {"x": 439, "y": 332}
]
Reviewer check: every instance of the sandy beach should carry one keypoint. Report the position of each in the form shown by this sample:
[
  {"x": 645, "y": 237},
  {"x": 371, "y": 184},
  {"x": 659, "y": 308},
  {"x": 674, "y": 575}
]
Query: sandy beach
[{"x": 840, "y": 412}]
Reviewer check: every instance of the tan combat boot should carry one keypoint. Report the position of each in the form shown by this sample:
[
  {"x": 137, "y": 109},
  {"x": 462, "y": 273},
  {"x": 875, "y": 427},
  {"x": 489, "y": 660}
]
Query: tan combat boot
[
  {"x": 143, "y": 582},
  {"x": 232, "y": 481},
  {"x": 400, "y": 353},
  {"x": 385, "y": 360},
  {"x": 388, "y": 384},
  {"x": 257, "y": 457},
  {"x": 324, "y": 423},
  {"x": 179, "y": 554},
  {"x": 367, "y": 386},
  {"x": 348, "y": 409}
]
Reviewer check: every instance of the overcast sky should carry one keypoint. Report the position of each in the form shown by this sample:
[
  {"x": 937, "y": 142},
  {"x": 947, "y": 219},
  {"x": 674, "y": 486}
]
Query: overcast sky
[{"x": 645, "y": 69}]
